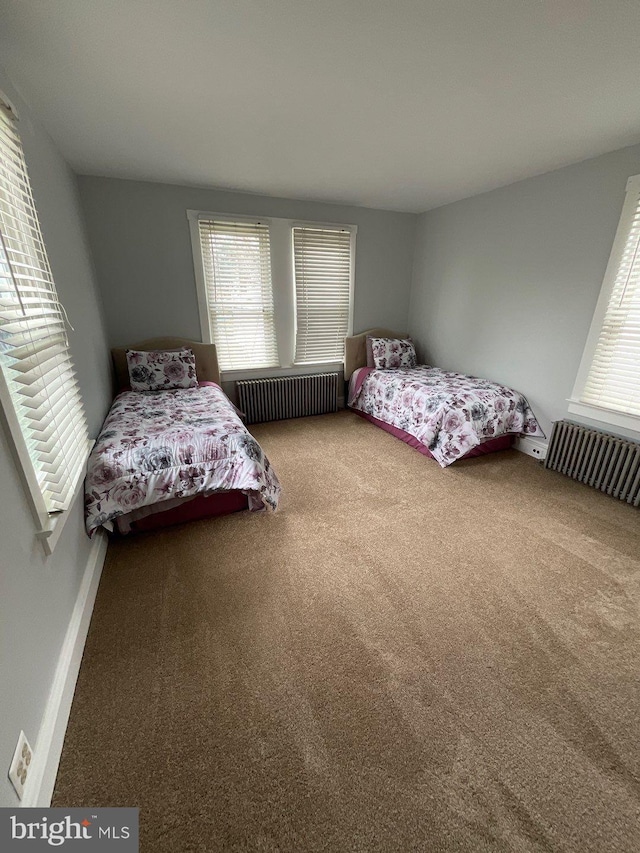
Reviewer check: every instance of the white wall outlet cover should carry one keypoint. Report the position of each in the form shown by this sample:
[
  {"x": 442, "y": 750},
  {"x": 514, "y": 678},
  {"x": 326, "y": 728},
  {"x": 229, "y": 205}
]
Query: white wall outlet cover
[
  {"x": 532, "y": 447},
  {"x": 21, "y": 764}
]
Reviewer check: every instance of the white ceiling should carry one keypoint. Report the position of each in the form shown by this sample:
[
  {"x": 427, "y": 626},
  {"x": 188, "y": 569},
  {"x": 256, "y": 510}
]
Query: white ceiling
[{"x": 400, "y": 104}]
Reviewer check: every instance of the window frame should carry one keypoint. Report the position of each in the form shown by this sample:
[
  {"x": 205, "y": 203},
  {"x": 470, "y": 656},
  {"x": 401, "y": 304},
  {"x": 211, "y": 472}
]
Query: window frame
[
  {"x": 49, "y": 524},
  {"x": 201, "y": 284},
  {"x": 602, "y": 414},
  {"x": 283, "y": 287},
  {"x": 329, "y": 226}
]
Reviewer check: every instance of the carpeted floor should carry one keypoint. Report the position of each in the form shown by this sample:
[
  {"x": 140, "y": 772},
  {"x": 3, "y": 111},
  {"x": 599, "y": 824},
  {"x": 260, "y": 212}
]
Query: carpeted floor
[{"x": 403, "y": 658}]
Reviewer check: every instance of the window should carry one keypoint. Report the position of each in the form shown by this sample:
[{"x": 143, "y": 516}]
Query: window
[
  {"x": 322, "y": 265},
  {"x": 608, "y": 383},
  {"x": 274, "y": 294},
  {"x": 38, "y": 387},
  {"x": 236, "y": 260}
]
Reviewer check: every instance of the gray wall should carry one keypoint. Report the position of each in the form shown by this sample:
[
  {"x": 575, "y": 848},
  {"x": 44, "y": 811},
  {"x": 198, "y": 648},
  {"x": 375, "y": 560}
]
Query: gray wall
[
  {"x": 37, "y": 594},
  {"x": 142, "y": 251},
  {"x": 505, "y": 283}
]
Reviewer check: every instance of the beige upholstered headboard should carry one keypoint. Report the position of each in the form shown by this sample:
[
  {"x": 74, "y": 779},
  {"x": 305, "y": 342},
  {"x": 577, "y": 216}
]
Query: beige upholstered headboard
[
  {"x": 355, "y": 349},
  {"x": 206, "y": 358}
]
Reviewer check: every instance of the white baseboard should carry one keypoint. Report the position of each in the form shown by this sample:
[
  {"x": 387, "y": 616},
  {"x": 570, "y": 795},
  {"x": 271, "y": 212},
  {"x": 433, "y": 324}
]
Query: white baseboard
[
  {"x": 48, "y": 747},
  {"x": 536, "y": 447}
]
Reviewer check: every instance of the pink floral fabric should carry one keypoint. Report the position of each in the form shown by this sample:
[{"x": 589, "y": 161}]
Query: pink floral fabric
[
  {"x": 161, "y": 370},
  {"x": 174, "y": 444},
  {"x": 391, "y": 353},
  {"x": 447, "y": 412}
]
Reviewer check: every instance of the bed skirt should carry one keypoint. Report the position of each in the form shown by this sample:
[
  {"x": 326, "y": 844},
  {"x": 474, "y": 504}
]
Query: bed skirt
[
  {"x": 221, "y": 503},
  {"x": 502, "y": 442}
]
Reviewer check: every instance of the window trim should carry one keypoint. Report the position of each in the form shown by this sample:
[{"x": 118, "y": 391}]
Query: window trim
[
  {"x": 604, "y": 414},
  {"x": 306, "y": 369},
  {"x": 194, "y": 217},
  {"x": 288, "y": 367},
  {"x": 610, "y": 417},
  {"x": 22, "y": 456},
  {"x": 49, "y": 525},
  {"x": 353, "y": 231}
]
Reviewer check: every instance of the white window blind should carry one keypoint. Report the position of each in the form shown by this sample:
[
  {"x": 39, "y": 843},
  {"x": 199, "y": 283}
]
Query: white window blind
[
  {"x": 613, "y": 380},
  {"x": 39, "y": 391},
  {"x": 323, "y": 268},
  {"x": 236, "y": 260}
]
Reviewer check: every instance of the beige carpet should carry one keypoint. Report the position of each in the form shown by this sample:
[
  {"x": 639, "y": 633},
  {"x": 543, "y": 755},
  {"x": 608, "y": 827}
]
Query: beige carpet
[{"x": 403, "y": 658}]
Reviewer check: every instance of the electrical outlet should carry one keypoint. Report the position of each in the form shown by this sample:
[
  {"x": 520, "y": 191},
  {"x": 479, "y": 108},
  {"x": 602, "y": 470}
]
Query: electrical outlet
[
  {"x": 532, "y": 447},
  {"x": 21, "y": 764}
]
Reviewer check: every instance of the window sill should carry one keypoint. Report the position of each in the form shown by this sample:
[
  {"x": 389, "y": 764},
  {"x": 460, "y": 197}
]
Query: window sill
[
  {"x": 609, "y": 417},
  {"x": 51, "y": 530},
  {"x": 270, "y": 372}
]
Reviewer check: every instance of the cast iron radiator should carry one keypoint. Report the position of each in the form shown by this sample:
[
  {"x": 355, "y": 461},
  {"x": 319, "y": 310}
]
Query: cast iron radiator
[
  {"x": 288, "y": 397},
  {"x": 603, "y": 461}
]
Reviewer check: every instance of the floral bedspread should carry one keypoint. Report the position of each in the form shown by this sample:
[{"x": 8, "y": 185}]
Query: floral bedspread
[
  {"x": 448, "y": 412},
  {"x": 156, "y": 446}
]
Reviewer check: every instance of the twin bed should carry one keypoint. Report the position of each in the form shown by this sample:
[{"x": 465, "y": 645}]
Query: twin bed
[
  {"x": 446, "y": 416},
  {"x": 175, "y": 448},
  {"x": 165, "y": 456}
]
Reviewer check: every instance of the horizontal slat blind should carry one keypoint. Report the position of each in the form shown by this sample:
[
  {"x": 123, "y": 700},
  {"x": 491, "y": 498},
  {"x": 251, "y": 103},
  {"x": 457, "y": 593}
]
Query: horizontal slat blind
[
  {"x": 34, "y": 350},
  {"x": 322, "y": 265},
  {"x": 614, "y": 378},
  {"x": 236, "y": 260}
]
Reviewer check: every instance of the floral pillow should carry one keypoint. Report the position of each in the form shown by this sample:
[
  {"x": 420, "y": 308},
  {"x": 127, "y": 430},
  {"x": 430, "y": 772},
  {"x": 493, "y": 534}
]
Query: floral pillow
[
  {"x": 161, "y": 370},
  {"x": 392, "y": 353}
]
